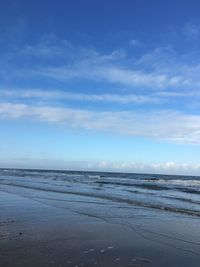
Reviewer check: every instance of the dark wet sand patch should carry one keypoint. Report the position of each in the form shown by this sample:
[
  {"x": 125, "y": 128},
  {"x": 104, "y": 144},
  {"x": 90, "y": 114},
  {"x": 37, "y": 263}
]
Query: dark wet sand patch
[{"x": 37, "y": 234}]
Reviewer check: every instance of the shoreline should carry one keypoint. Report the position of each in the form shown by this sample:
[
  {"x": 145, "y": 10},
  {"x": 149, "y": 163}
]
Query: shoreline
[{"x": 50, "y": 231}]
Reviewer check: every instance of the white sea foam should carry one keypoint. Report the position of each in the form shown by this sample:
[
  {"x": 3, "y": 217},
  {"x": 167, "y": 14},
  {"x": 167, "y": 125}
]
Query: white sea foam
[{"x": 186, "y": 183}]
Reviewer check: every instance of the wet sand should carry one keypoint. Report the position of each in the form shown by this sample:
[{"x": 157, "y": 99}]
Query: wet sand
[{"x": 34, "y": 233}]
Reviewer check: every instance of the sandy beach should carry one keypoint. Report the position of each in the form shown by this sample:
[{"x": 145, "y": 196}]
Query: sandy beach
[{"x": 44, "y": 228}]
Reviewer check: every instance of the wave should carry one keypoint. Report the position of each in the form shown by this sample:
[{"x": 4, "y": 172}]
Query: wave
[
  {"x": 118, "y": 199},
  {"x": 162, "y": 192}
]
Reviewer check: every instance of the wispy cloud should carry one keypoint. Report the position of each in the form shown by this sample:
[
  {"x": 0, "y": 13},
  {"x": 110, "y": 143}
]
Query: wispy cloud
[
  {"x": 157, "y": 69},
  {"x": 64, "y": 95},
  {"x": 135, "y": 42},
  {"x": 192, "y": 30},
  {"x": 59, "y": 60},
  {"x": 158, "y": 124},
  {"x": 114, "y": 74}
]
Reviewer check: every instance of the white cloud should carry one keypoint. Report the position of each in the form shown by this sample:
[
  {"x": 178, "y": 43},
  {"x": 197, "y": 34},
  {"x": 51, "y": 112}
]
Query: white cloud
[
  {"x": 161, "y": 68},
  {"x": 62, "y": 61},
  {"x": 64, "y": 95},
  {"x": 163, "y": 167},
  {"x": 59, "y": 60},
  {"x": 114, "y": 74},
  {"x": 162, "y": 125}
]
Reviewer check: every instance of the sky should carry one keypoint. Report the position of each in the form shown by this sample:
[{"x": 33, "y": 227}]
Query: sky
[{"x": 100, "y": 85}]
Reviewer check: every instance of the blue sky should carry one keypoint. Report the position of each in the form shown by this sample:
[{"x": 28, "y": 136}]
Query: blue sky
[{"x": 100, "y": 85}]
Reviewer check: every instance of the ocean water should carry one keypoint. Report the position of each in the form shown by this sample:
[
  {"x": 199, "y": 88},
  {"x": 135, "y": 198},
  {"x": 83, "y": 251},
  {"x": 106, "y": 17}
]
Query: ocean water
[{"x": 166, "y": 193}]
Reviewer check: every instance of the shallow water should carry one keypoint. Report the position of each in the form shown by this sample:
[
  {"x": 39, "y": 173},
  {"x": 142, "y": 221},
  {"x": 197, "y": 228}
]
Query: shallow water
[{"x": 170, "y": 193}]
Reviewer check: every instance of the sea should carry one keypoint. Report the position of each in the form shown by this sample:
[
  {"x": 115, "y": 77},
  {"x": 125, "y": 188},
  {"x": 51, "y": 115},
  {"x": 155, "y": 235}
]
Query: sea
[{"x": 173, "y": 194}]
